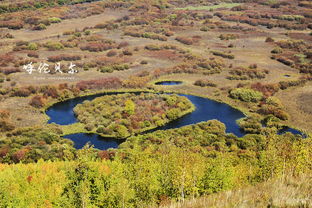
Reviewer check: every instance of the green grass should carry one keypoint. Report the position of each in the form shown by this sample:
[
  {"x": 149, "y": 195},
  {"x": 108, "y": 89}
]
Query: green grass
[{"x": 222, "y": 5}]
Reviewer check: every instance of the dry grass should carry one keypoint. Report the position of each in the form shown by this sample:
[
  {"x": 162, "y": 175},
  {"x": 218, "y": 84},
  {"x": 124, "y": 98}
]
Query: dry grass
[
  {"x": 298, "y": 105},
  {"x": 291, "y": 192}
]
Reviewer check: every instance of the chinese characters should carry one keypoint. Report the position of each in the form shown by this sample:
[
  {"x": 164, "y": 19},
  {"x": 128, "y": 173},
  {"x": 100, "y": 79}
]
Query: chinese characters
[{"x": 44, "y": 68}]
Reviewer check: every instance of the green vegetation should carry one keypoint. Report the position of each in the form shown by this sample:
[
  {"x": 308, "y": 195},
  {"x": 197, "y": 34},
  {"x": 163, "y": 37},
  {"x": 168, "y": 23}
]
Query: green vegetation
[
  {"x": 125, "y": 114},
  {"x": 31, "y": 144},
  {"x": 246, "y": 95},
  {"x": 54, "y": 46},
  {"x": 32, "y": 46},
  {"x": 54, "y": 20},
  {"x": 151, "y": 169}
]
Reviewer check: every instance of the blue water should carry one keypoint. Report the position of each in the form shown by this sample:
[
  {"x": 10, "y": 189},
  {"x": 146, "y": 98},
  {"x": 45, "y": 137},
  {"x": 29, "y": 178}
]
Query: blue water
[
  {"x": 293, "y": 131},
  {"x": 62, "y": 113},
  {"x": 168, "y": 83},
  {"x": 206, "y": 109},
  {"x": 81, "y": 139}
]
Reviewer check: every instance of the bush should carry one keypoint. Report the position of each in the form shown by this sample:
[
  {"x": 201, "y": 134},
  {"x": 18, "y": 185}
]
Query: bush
[
  {"x": 185, "y": 40},
  {"x": 12, "y": 24},
  {"x": 286, "y": 84},
  {"x": 241, "y": 73},
  {"x": 111, "y": 53},
  {"x": 32, "y": 46},
  {"x": 112, "y": 68},
  {"x": 269, "y": 40},
  {"x": 246, "y": 95},
  {"x": 127, "y": 52},
  {"x": 152, "y": 47},
  {"x": 64, "y": 57},
  {"x": 96, "y": 46},
  {"x": 223, "y": 55},
  {"x": 40, "y": 27},
  {"x": 10, "y": 70},
  {"x": 54, "y": 46},
  {"x": 33, "y": 54},
  {"x": 277, "y": 50},
  {"x": 266, "y": 89},
  {"x": 54, "y": 20},
  {"x": 123, "y": 44},
  {"x": 228, "y": 36},
  {"x": 37, "y": 101},
  {"x": 204, "y": 83}
]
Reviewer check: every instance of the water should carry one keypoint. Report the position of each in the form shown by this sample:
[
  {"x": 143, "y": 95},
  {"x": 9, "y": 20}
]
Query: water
[
  {"x": 168, "y": 83},
  {"x": 62, "y": 113},
  {"x": 293, "y": 131},
  {"x": 81, "y": 139},
  {"x": 206, "y": 109}
]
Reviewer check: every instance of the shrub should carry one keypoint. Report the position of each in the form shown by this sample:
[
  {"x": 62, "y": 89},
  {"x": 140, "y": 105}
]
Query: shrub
[
  {"x": 54, "y": 20},
  {"x": 204, "y": 83},
  {"x": 223, "y": 55},
  {"x": 53, "y": 46},
  {"x": 40, "y": 27},
  {"x": 10, "y": 70},
  {"x": 96, "y": 46},
  {"x": 286, "y": 84},
  {"x": 241, "y": 73},
  {"x": 269, "y": 40},
  {"x": 33, "y": 54},
  {"x": 152, "y": 47},
  {"x": 277, "y": 50},
  {"x": 111, "y": 53},
  {"x": 228, "y": 36},
  {"x": 123, "y": 44},
  {"x": 273, "y": 110},
  {"x": 32, "y": 46},
  {"x": 185, "y": 40},
  {"x": 116, "y": 67},
  {"x": 37, "y": 101},
  {"x": 64, "y": 57},
  {"x": 246, "y": 95},
  {"x": 12, "y": 24},
  {"x": 127, "y": 52},
  {"x": 22, "y": 92},
  {"x": 266, "y": 89}
]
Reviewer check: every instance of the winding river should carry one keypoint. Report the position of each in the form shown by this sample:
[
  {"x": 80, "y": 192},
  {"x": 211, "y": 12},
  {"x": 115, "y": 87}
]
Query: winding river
[{"x": 206, "y": 109}]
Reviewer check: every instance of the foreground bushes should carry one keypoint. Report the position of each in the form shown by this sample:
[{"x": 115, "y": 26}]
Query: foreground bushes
[
  {"x": 149, "y": 170},
  {"x": 32, "y": 144}
]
